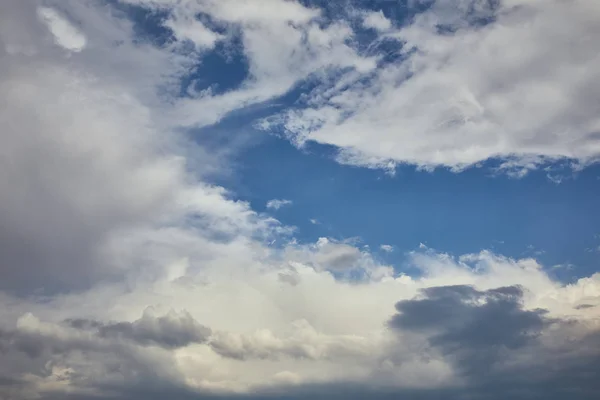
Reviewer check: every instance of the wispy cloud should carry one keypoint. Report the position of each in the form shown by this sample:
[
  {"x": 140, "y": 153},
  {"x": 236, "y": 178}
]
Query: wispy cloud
[
  {"x": 276, "y": 204},
  {"x": 387, "y": 248}
]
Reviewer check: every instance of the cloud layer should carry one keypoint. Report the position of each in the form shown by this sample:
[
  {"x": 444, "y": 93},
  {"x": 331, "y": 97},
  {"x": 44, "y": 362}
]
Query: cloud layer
[
  {"x": 477, "y": 80},
  {"x": 126, "y": 274}
]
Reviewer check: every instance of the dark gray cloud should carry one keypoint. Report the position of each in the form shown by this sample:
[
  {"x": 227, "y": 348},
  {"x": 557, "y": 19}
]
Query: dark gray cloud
[
  {"x": 504, "y": 351},
  {"x": 171, "y": 331},
  {"x": 448, "y": 317},
  {"x": 584, "y": 306},
  {"x": 475, "y": 328},
  {"x": 105, "y": 367},
  {"x": 500, "y": 347}
]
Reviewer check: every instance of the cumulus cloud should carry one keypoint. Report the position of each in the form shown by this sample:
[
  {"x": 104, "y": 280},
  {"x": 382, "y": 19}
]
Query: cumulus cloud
[
  {"x": 492, "y": 339},
  {"x": 321, "y": 330},
  {"x": 88, "y": 160},
  {"x": 463, "y": 91},
  {"x": 107, "y": 178},
  {"x": 342, "y": 258},
  {"x": 305, "y": 342},
  {"x": 473, "y": 326},
  {"x": 171, "y": 330},
  {"x": 377, "y": 21}
]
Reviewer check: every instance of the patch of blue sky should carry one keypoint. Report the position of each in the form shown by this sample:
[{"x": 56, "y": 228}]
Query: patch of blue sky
[
  {"x": 147, "y": 23},
  {"x": 452, "y": 212},
  {"x": 219, "y": 70}
]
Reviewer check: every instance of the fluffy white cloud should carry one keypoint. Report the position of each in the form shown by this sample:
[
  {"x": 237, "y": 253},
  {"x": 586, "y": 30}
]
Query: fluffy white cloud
[
  {"x": 377, "y": 21},
  {"x": 510, "y": 79},
  {"x": 313, "y": 329}
]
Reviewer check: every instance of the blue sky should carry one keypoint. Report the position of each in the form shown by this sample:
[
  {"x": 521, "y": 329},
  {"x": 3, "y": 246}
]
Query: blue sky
[
  {"x": 478, "y": 209},
  {"x": 299, "y": 199}
]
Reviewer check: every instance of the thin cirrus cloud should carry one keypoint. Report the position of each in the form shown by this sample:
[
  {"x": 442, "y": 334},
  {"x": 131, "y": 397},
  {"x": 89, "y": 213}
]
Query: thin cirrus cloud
[
  {"x": 127, "y": 274},
  {"x": 276, "y": 204}
]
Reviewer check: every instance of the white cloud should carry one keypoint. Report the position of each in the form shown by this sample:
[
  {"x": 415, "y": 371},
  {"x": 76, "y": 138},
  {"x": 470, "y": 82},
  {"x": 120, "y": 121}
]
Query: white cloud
[
  {"x": 283, "y": 44},
  {"x": 464, "y": 97},
  {"x": 90, "y": 160},
  {"x": 186, "y": 28},
  {"x": 343, "y": 258},
  {"x": 377, "y": 21},
  {"x": 262, "y": 326},
  {"x": 387, "y": 248},
  {"x": 276, "y": 204},
  {"x": 65, "y": 34}
]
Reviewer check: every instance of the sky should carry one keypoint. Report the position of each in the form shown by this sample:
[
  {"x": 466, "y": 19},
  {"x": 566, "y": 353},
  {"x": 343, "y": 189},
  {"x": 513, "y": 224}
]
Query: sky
[{"x": 287, "y": 199}]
